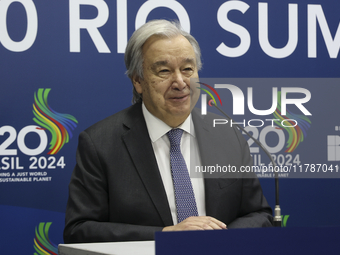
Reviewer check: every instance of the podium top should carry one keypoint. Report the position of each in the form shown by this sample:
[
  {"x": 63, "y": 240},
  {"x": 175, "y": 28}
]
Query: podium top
[
  {"x": 279, "y": 241},
  {"x": 120, "y": 248}
]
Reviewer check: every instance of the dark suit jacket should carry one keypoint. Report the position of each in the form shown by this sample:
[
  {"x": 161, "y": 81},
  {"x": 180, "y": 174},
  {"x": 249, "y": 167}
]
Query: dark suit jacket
[{"x": 116, "y": 191}]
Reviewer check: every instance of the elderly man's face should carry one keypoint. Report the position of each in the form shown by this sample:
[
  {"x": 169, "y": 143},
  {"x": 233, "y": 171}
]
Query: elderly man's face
[{"x": 168, "y": 66}]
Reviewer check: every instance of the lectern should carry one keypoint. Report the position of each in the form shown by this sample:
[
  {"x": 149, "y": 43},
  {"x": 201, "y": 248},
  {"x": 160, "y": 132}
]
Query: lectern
[{"x": 278, "y": 241}]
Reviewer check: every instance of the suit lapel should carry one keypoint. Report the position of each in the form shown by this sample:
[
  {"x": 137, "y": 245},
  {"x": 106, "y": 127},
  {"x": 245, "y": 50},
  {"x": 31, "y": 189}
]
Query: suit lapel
[
  {"x": 204, "y": 141},
  {"x": 138, "y": 143},
  {"x": 210, "y": 154}
]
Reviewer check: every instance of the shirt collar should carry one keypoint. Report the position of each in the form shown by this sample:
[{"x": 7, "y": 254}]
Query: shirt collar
[{"x": 158, "y": 128}]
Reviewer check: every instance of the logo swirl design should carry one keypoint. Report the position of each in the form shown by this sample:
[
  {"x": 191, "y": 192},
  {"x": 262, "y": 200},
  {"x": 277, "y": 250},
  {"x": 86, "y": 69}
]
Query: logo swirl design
[
  {"x": 208, "y": 92},
  {"x": 58, "y": 124},
  {"x": 297, "y": 133},
  {"x": 42, "y": 243}
]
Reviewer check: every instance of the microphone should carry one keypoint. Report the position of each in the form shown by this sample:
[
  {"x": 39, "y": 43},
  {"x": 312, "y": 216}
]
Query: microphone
[{"x": 277, "y": 211}]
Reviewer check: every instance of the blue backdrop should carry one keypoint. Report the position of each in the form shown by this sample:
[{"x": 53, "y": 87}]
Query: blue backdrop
[{"x": 75, "y": 48}]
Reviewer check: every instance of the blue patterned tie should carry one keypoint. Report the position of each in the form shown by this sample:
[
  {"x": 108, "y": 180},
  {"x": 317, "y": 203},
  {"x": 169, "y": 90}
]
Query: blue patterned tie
[{"x": 184, "y": 194}]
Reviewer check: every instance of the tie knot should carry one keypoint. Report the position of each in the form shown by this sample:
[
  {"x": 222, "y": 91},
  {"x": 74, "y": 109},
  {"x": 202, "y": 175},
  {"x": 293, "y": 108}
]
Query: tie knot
[{"x": 175, "y": 136}]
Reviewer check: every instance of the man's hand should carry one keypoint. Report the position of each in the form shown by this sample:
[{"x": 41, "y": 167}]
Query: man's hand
[{"x": 197, "y": 223}]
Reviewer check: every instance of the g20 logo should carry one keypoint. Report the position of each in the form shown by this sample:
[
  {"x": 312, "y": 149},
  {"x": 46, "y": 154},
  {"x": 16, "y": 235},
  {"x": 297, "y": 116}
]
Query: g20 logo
[
  {"x": 20, "y": 137},
  {"x": 59, "y": 126},
  {"x": 13, "y": 163},
  {"x": 277, "y": 145}
]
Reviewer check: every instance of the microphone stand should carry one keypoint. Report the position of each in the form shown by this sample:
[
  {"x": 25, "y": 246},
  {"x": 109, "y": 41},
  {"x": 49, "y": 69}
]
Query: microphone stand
[{"x": 277, "y": 212}]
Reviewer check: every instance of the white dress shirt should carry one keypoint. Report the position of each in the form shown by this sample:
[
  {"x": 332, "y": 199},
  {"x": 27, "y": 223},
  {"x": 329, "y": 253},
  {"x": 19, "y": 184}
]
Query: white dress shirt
[{"x": 189, "y": 148}]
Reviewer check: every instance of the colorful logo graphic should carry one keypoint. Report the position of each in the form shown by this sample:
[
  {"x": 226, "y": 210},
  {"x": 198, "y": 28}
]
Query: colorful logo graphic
[
  {"x": 42, "y": 243},
  {"x": 284, "y": 219},
  {"x": 209, "y": 93},
  {"x": 59, "y": 125},
  {"x": 296, "y": 133}
]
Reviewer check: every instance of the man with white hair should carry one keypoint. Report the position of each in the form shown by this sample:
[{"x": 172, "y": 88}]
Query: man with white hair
[{"x": 131, "y": 177}]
